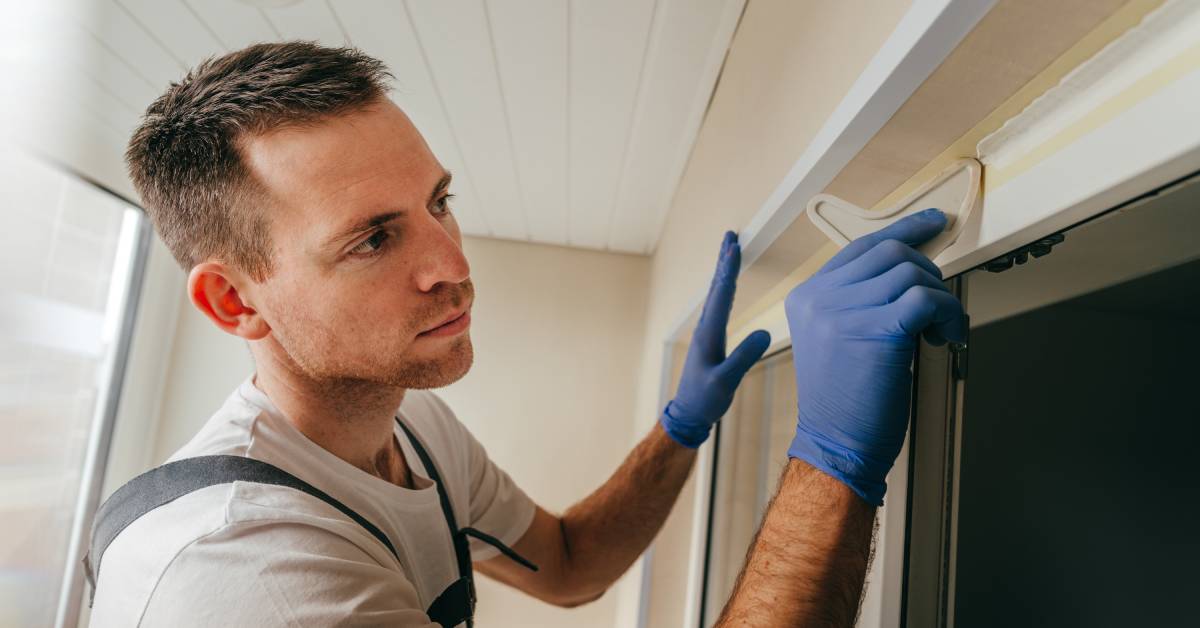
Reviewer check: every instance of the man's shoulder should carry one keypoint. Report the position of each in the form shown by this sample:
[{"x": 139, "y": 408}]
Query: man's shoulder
[
  {"x": 230, "y": 430},
  {"x": 131, "y": 566},
  {"x": 433, "y": 421},
  {"x": 216, "y": 532},
  {"x": 425, "y": 407}
]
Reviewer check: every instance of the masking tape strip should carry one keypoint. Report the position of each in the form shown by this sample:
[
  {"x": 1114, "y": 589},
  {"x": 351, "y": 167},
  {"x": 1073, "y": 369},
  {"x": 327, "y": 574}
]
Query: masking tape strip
[
  {"x": 769, "y": 307},
  {"x": 1117, "y": 24},
  {"x": 1183, "y": 64}
]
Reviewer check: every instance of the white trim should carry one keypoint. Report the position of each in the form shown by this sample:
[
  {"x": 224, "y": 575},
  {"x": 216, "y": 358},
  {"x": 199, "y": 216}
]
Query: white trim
[
  {"x": 664, "y": 395},
  {"x": 885, "y": 580},
  {"x": 695, "y": 584}
]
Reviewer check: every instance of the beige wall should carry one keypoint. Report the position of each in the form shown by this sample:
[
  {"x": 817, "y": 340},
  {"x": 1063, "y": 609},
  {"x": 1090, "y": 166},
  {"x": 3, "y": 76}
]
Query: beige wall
[
  {"x": 557, "y": 334},
  {"x": 789, "y": 66}
]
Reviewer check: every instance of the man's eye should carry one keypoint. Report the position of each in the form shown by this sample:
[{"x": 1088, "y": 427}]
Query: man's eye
[
  {"x": 371, "y": 245},
  {"x": 442, "y": 205}
]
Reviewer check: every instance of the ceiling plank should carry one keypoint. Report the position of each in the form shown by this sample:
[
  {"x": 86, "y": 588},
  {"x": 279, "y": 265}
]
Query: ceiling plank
[
  {"x": 176, "y": 28},
  {"x": 681, "y": 72},
  {"x": 533, "y": 71},
  {"x": 96, "y": 58},
  {"x": 128, "y": 40},
  {"x": 457, "y": 43},
  {"x": 608, "y": 45},
  {"x": 76, "y": 87},
  {"x": 235, "y": 24},
  {"x": 415, "y": 94},
  {"x": 311, "y": 20}
]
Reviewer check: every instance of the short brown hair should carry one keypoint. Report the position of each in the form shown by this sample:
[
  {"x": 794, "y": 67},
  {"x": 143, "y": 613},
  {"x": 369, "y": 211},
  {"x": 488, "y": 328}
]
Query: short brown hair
[{"x": 184, "y": 158}]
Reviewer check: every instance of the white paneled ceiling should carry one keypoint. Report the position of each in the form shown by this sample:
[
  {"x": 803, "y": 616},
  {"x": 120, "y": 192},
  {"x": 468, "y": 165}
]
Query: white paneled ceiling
[{"x": 564, "y": 122}]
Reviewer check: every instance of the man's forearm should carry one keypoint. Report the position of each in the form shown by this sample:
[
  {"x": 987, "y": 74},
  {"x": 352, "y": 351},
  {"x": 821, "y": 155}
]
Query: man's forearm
[
  {"x": 610, "y": 528},
  {"x": 807, "y": 563}
]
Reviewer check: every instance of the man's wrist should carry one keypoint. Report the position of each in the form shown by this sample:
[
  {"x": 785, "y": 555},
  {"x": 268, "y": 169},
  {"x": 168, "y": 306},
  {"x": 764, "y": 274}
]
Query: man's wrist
[
  {"x": 687, "y": 433},
  {"x": 842, "y": 464}
]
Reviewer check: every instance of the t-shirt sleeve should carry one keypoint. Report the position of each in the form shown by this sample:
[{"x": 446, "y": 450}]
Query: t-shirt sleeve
[
  {"x": 498, "y": 506},
  {"x": 280, "y": 574}
]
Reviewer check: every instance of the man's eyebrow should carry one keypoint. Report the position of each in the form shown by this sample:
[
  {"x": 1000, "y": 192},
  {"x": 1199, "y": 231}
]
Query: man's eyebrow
[
  {"x": 371, "y": 222},
  {"x": 365, "y": 224},
  {"x": 441, "y": 186}
]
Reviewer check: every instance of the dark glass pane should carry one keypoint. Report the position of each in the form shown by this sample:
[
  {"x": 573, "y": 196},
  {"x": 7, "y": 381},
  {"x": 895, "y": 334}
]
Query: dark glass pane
[{"x": 1078, "y": 466}]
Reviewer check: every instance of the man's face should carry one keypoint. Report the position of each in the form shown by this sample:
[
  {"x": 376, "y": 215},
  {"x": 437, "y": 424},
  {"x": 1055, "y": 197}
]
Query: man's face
[{"x": 368, "y": 258}]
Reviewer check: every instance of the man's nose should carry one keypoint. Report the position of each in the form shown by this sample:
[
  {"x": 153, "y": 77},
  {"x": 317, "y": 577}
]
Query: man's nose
[{"x": 441, "y": 259}]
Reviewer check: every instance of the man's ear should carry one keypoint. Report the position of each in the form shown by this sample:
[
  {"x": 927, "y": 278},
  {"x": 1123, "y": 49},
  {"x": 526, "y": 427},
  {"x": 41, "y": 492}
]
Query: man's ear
[{"x": 212, "y": 287}]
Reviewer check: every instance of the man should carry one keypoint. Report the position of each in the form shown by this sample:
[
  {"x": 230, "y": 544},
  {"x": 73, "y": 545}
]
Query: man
[{"x": 316, "y": 224}]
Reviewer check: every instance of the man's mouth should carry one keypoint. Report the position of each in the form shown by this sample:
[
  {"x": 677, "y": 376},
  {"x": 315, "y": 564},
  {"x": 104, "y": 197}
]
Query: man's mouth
[{"x": 454, "y": 324}]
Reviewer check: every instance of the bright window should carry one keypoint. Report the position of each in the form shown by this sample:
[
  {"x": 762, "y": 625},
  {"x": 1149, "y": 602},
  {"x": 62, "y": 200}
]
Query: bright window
[{"x": 68, "y": 253}]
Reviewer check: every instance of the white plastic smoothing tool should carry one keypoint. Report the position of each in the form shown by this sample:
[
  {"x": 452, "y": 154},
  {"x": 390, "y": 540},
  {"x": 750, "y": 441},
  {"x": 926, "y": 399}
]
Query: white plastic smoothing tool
[{"x": 955, "y": 191}]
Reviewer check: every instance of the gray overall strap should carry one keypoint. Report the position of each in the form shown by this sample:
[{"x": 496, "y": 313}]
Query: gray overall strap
[
  {"x": 173, "y": 480},
  {"x": 455, "y": 605}
]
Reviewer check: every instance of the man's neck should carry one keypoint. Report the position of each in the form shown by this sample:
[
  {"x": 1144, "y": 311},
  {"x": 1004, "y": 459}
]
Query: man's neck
[{"x": 353, "y": 420}]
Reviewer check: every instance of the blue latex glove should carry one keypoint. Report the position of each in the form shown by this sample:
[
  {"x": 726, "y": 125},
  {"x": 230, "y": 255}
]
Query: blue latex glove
[
  {"x": 854, "y": 328},
  {"x": 709, "y": 378}
]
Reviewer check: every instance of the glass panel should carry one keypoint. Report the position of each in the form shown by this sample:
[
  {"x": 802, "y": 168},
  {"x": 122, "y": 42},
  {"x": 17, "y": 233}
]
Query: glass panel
[
  {"x": 1080, "y": 425},
  {"x": 59, "y": 244},
  {"x": 752, "y": 442}
]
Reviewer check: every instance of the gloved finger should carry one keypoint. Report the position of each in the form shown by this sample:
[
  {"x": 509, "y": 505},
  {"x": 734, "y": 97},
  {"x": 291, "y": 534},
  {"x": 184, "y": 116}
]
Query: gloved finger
[
  {"x": 714, "y": 317},
  {"x": 888, "y": 287},
  {"x": 743, "y": 357},
  {"x": 881, "y": 258},
  {"x": 912, "y": 230},
  {"x": 921, "y": 308}
]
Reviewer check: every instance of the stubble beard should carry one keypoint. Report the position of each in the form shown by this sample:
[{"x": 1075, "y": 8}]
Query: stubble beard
[
  {"x": 313, "y": 355},
  {"x": 436, "y": 373},
  {"x": 404, "y": 372}
]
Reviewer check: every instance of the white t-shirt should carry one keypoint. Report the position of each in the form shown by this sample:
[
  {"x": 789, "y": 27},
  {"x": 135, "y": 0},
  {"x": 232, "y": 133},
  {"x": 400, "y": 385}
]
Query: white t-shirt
[{"x": 247, "y": 554}]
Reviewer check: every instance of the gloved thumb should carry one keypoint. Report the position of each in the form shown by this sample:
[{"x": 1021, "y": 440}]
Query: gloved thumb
[{"x": 743, "y": 357}]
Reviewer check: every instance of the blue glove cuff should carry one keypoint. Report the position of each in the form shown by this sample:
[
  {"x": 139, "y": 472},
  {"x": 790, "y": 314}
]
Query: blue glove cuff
[
  {"x": 690, "y": 435},
  {"x": 845, "y": 465}
]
